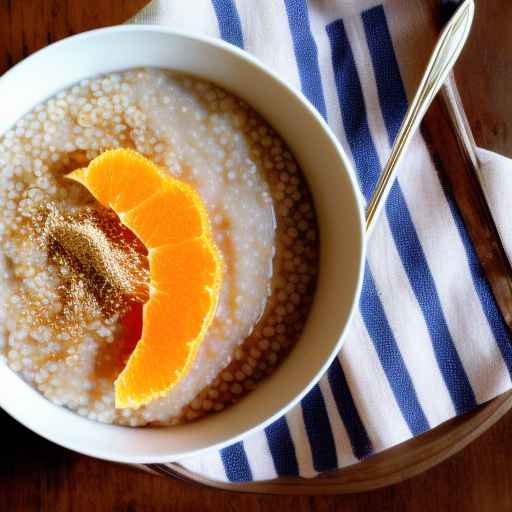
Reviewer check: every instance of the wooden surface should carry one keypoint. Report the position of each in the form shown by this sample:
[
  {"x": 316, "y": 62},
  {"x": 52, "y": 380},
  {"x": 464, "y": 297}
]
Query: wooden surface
[{"x": 36, "y": 475}]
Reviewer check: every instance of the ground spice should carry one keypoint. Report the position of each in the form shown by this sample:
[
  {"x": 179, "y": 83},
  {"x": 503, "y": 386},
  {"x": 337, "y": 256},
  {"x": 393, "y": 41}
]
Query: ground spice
[{"x": 97, "y": 271}]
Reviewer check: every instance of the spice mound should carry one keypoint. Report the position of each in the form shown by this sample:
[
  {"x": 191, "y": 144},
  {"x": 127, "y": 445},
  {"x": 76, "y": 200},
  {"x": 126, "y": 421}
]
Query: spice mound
[{"x": 107, "y": 272}]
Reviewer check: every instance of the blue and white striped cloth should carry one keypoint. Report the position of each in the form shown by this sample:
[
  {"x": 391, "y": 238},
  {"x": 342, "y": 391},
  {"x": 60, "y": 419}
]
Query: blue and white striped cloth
[{"x": 428, "y": 341}]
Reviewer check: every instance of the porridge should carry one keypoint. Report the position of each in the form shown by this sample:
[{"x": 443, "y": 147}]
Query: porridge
[{"x": 71, "y": 344}]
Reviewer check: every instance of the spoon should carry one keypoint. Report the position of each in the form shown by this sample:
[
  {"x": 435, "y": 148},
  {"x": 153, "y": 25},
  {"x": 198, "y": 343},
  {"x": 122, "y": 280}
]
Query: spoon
[{"x": 447, "y": 50}]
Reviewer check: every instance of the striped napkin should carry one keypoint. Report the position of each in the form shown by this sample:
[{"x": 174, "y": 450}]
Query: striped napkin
[{"x": 427, "y": 342}]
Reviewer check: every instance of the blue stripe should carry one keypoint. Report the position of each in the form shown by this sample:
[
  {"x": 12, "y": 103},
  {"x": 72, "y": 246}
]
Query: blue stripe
[
  {"x": 361, "y": 444},
  {"x": 353, "y": 110},
  {"x": 282, "y": 448},
  {"x": 393, "y": 100},
  {"x": 359, "y": 138},
  {"x": 422, "y": 283},
  {"x": 319, "y": 431},
  {"x": 229, "y": 22},
  {"x": 235, "y": 463},
  {"x": 393, "y": 103},
  {"x": 306, "y": 53},
  {"x": 390, "y": 357}
]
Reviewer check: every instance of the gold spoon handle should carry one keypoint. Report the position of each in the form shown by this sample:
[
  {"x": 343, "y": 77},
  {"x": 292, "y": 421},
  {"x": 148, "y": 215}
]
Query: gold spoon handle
[{"x": 447, "y": 50}]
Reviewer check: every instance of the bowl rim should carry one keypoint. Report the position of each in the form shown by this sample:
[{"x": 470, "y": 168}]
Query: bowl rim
[{"x": 349, "y": 171}]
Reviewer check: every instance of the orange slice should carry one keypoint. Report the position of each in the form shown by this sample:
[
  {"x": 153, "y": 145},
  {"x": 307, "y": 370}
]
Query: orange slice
[{"x": 185, "y": 268}]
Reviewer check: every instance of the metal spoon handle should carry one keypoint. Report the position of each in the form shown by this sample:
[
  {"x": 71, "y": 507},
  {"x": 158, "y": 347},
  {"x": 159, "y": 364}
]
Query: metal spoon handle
[{"x": 444, "y": 55}]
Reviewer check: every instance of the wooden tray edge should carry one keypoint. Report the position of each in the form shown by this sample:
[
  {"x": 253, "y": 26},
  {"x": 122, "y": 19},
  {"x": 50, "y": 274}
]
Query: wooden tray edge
[{"x": 387, "y": 468}]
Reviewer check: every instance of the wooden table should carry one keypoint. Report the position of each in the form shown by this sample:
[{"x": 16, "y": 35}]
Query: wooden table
[{"x": 37, "y": 475}]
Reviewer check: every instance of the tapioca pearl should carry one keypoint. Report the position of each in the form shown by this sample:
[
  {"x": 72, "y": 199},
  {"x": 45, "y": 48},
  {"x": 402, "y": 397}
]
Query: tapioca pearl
[
  {"x": 295, "y": 298},
  {"x": 106, "y": 417},
  {"x": 239, "y": 354},
  {"x": 195, "y": 404},
  {"x": 255, "y": 353},
  {"x": 213, "y": 394},
  {"x": 252, "y": 362},
  {"x": 134, "y": 421},
  {"x": 283, "y": 211},
  {"x": 207, "y": 405},
  {"x": 268, "y": 331},
  {"x": 247, "y": 369},
  {"x": 236, "y": 388},
  {"x": 227, "y": 376},
  {"x": 281, "y": 328},
  {"x": 292, "y": 232},
  {"x": 299, "y": 248}
]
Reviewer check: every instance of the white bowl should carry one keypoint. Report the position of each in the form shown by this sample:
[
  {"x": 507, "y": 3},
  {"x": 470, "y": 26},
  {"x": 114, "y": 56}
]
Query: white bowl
[{"x": 340, "y": 218}]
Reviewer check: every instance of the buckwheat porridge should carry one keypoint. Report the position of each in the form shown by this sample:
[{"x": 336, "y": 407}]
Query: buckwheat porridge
[{"x": 70, "y": 338}]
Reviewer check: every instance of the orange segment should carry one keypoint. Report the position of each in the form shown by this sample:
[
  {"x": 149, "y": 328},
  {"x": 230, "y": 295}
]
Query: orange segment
[
  {"x": 157, "y": 224},
  {"x": 167, "y": 318},
  {"x": 120, "y": 179},
  {"x": 191, "y": 265},
  {"x": 185, "y": 268},
  {"x": 133, "y": 179}
]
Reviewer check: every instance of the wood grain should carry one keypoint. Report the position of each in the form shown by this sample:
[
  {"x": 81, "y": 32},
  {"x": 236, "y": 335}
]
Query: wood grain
[
  {"x": 36, "y": 475},
  {"x": 484, "y": 75},
  {"x": 451, "y": 144}
]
